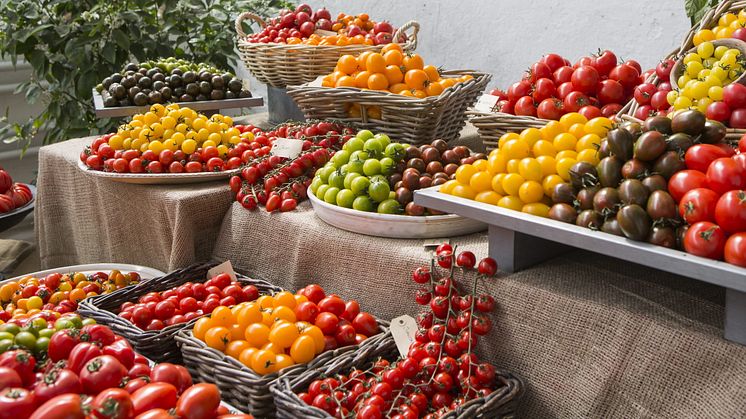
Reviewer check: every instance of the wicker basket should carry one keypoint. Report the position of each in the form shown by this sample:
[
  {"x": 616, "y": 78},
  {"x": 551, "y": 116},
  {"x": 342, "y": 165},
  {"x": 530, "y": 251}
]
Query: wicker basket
[
  {"x": 158, "y": 345},
  {"x": 708, "y": 21},
  {"x": 492, "y": 126},
  {"x": 500, "y": 404},
  {"x": 241, "y": 385},
  {"x": 403, "y": 118},
  {"x": 281, "y": 65}
]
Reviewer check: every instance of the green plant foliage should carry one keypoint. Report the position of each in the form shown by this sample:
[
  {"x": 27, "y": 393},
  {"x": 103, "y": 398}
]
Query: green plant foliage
[
  {"x": 695, "y": 9},
  {"x": 73, "y": 44}
]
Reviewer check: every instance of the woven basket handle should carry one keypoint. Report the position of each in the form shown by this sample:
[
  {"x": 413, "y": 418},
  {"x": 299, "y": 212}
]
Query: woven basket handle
[
  {"x": 242, "y": 17},
  {"x": 411, "y": 43}
]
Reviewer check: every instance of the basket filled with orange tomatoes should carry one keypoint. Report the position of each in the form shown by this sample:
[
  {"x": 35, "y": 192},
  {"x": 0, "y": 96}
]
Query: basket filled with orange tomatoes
[
  {"x": 151, "y": 313},
  {"x": 301, "y": 44},
  {"x": 395, "y": 92},
  {"x": 245, "y": 349}
]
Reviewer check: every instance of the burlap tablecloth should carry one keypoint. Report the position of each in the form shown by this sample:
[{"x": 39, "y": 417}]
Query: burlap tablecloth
[
  {"x": 592, "y": 336},
  {"x": 84, "y": 219}
]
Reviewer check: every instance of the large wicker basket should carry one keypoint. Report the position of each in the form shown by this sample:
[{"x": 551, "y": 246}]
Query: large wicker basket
[
  {"x": 281, "y": 65},
  {"x": 500, "y": 404},
  {"x": 241, "y": 385},
  {"x": 708, "y": 21},
  {"x": 403, "y": 118},
  {"x": 158, "y": 345},
  {"x": 492, "y": 126}
]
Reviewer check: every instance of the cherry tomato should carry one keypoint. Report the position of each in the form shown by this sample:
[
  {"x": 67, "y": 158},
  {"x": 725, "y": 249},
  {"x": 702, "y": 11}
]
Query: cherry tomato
[
  {"x": 698, "y": 205},
  {"x": 585, "y": 79},
  {"x": 332, "y": 304},
  {"x": 705, "y": 239},
  {"x": 685, "y": 181},
  {"x": 700, "y": 156},
  {"x": 725, "y": 174},
  {"x": 730, "y": 212},
  {"x": 735, "y": 249},
  {"x": 365, "y": 324}
]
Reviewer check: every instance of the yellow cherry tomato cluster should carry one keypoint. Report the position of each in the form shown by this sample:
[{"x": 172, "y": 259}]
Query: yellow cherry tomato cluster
[
  {"x": 522, "y": 172},
  {"x": 706, "y": 72},
  {"x": 175, "y": 128},
  {"x": 727, "y": 24},
  {"x": 263, "y": 334}
]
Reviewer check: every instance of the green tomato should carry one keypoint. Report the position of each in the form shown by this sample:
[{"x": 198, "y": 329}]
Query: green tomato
[
  {"x": 392, "y": 195},
  {"x": 355, "y": 166},
  {"x": 5, "y": 344},
  {"x": 26, "y": 340},
  {"x": 337, "y": 180},
  {"x": 88, "y": 322},
  {"x": 360, "y": 185},
  {"x": 321, "y": 191},
  {"x": 46, "y": 333},
  {"x": 372, "y": 167},
  {"x": 364, "y": 135},
  {"x": 383, "y": 139},
  {"x": 330, "y": 197},
  {"x": 64, "y": 323},
  {"x": 362, "y": 203},
  {"x": 379, "y": 191},
  {"x": 344, "y": 170},
  {"x": 345, "y": 198},
  {"x": 373, "y": 147},
  {"x": 38, "y": 324},
  {"x": 30, "y": 330},
  {"x": 349, "y": 178},
  {"x": 379, "y": 178},
  {"x": 315, "y": 183},
  {"x": 388, "y": 165},
  {"x": 11, "y": 328},
  {"x": 359, "y": 155},
  {"x": 77, "y": 321},
  {"x": 389, "y": 206},
  {"x": 42, "y": 344},
  {"x": 354, "y": 144},
  {"x": 340, "y": 157},
  {"x": 395, "y": 151},
  {"x": 6, "y": 335},
  {"x": 324, "y": 173}
]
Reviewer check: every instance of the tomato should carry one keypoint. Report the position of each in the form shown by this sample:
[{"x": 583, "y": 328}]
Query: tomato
[
  {"x": 345, "y": 335},
  {"x": 155, "y": 414},
  {"x": 122, "y": 351},
  {"x": 22, "y": 362},
  {"x": 735, "y": 249},
  {"x": 730, "y": 212},
  {"x": 518, "y": 90},
  {"x": 365, "y": 324},
  {"x": 65, "y": 406},
  {"x": 700, "y": 156},
  {"x": 154, "y": 396},
  {"x": 16, "y": 403},
  {"x": 734, "y": 95},
  {"x": 544, "y": 89},
  {"x": 81, "y": 354},
  {"x": 718, "y": 111},
  {"x": 56, "y": 382},
  {"x": 565, "y": 89},
  {"x": 742, "y": 144},
  {"x": 166, "y": 373},
  {"x": 644, "y": 92},
  {"x": 585, "y": 79},
  {"x": 563, "y": 74},
  {"x": 625, "y": 74},
  {"x": 610, "y": 91},
  {"x": 113, "y": 403},
  {"x": 550, "y": 109},
  {"x": 574, "y": 101},
  {"x": 185, "y": 378},
  {"x": 61, "y": 343},
  {"x": 605, "y": 62},
  {"x": 101, "y": 373},
  {"x": 352, "y": 309},
  {"x": 199, "y": 401},
  {"x": 538, "y": 71},
  {"x": 332, "y": 304},
  {"x": 9, "y": 378},
  {"x": 590, "y": 112},
  {"x": 327, "y": 322},
  {"x": 725, "y": 174},
  {"x": 705, "y": 239},
  {"x": 698, "y": 205},
  {"x": 525, "y": 106},
  {"x": 684, "y": 181}
]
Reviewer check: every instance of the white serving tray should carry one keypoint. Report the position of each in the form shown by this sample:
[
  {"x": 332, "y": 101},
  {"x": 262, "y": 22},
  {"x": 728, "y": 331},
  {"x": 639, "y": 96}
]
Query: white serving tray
[{"x": 159, "y": 178}]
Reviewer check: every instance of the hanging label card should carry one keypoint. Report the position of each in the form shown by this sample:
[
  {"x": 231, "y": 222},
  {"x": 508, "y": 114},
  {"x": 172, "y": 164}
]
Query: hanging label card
[
  {"x": 317, "y": 82},
  {"x": 403, "y": 329},
  {"x": 486, "y": 103},
  {"x": 432, "y": 244},
  {"x": 286, "y": 147},
  {"x": 223, "y": 268}
]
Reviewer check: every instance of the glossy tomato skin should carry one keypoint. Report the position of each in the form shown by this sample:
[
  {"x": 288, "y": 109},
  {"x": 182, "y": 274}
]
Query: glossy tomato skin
[
  {"x": 66, "y": 406},
  {"x": 113, "y": 403},
  {"x": 730, "y": 212},
  {"x": 549, "y": 109},
  {"x": 724, "y": 175},
  {"x": 55, "y": 383},
  {"x": 585, "y": 79},
  {"x": 122, "y": 351},
  {"x": 684, "y": 181},
  {"x": 81, "y": 354},
  {"x": 700, "y": 156},
  {"x": 199, "y": 401},
  {"x": 698, "y": 205},
  {"x": 22, "y": 362},
  {"x": 365, "y": 324},
  {"x": 17, "y": 402},
  {"x": 525, "y": 106},
  {"x": 735, "y": 249},
  {"x": 62, "y": 343},
  {"x": 155, "y": 414},
  {"x": 101, "y": 373},
  {"x": 705, "y": 239},
  {"x": 154, "y": 396}
]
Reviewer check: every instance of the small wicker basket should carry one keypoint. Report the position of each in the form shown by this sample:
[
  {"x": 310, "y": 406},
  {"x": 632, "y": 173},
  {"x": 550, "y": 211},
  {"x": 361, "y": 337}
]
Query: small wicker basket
[
  {"x": 499, "y": 404},
  {"x": 158, "y": 345},
  {"x": 403, "y": 118},
  {"x": 281, "y": 65},
  {"x": 241, "y": 385},
  {"x": 492, "y": 126}
]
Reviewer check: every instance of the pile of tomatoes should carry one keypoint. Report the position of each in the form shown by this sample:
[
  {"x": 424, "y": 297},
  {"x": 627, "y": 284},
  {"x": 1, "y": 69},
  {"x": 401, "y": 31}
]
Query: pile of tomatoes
[
  {"x": 12, "y": 194},
  {"x": 594, "y": 86},
  {"x": 300, "y": 26},
  {"x": 58, "y": 292},
  {"x": 156, "y": 310},
  {"x": 284, "y": 329},
  {"x": 440, "y": 372}
]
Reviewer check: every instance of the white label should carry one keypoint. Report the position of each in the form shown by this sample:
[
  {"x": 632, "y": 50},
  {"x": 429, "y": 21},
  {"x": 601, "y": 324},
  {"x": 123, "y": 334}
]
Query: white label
[
  {"x": 223, "y": 268},
  {"x": 317, "y": 82},
  {"x": 486, "y": 103},
  {"x": 322, "y": 32},
  {"x": 403, "y": 329},
  {"x": 286, "y": 147},
  {"x": 433, "y": 243}
]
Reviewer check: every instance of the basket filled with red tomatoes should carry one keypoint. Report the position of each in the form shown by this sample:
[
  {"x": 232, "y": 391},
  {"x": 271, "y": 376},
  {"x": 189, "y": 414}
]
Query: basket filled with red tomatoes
[
  {"x": 436, "y": 374},
  {"x": 245, "y": 349},
  {"x": 301, "y": 44},
  {"x": 597, "y": 85},
  {"x": 151, "y": 313},
  {"x": 393, "y": 92}
]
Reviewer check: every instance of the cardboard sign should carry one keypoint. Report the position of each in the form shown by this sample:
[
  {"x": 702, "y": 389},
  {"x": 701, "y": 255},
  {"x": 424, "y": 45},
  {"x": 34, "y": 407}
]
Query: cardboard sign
[
  {"x": 286, "y": 147},
  {"x": 403, "y": 329},
  {"x": 224, "y": 268},
  {"x": 486, "y": 103}
]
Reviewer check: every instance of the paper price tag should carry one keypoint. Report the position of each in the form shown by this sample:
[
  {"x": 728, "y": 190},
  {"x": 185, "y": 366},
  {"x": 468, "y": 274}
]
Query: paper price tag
[
  {"x": 433, "y": 243},
  {"x": 317, "y": 82},
  {"x": 486, "y": 103},
  {"x": 322, "y": 32},
  {"x": 286, "y": 147},
  {"x": 403, "y": 329},
  {"x": 223, "y": 268}
]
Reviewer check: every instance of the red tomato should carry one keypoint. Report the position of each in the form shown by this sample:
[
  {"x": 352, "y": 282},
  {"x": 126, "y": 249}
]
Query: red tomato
[
  {"x": 590, "y": 112},
  {"x": 22, "y": 363},
  {"x": 684, "y": 181},
  {"x": 740, "y": 159},
  {"x": 644, "y": 93},
  {"x": 735, "y": 249},
  {"x": 544, "y": 89},
  {"x": 538, "y": 71},
  {"x": 334, "y": 305},
  {"x": 345, "y": 335},
  {"x": 737, "y": 116},
  {"x": 700, "y": 156},
  {"x": 327, "y": 322},
  {"x": 742, "y": 144},
  {"x": 585, "y": 79},
  {"x": 518, "y": 90},
  {"x": 725, "y": 174},
  {"x": 113, "y": 403},
  {"x": 122, "y": 351},
  {"x": 705, "y": 239},
  {"x": 625, "y": 74},
  {"x": 565, "y": 89},
  {"x": 101, "y": 373},
  {"x": 365, "y": 324},
  {"x": 199, "y": 401},
  {"x": 166, "y": 373},
  {"x": 718, "y": 111},
  {"x": 135, "y": 384},
  {"x": 154, "y": 396},
  {"x": 155, "y": 414},
  {"x": 66, "y": 406},
  {"x": 314, "y": 293},
  {"x": 730, "y": 212},
  {"x": 610, "y": 91},
  {"x": 525, "y": 106},
  {"x": 734, "y": 95},
  {"x": 575, "y": 100},
  {"x": 562, "y": 74},
  {"x": 55, "y": 383},
  {"x": 352, "y": 309},
  {"x": 81, "y": 354},
  {"x": 9, "y": 378},
  {"x": 306, "y": 312},
  {"x": 16, "y": 403},
  {"x": 605, "y": 62},
  {"x": 62, "y": 343},
  {"x": 698, "y": 205},
  {"x": 553, "y": 61},
  {"x": 550, "y": 109}
]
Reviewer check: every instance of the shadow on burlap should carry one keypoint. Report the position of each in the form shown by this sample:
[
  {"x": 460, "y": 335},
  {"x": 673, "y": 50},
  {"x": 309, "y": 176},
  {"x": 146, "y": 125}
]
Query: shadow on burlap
[{"x": 592, "y": 336}]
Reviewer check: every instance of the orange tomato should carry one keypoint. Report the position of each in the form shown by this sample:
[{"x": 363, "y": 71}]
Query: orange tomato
[
  {"x": 301, "y": 298},
  {"x": 283, "y": 313},
  {"x": 317, "y": 335},
  {"x": 257, "y": 334},
  {"x": 265, "y": 301},
  {"x": 362, "y": 59},
  {"x": 327, "y": 81},
  {"x": 283, "y": 361},
  {"x": 222, "y": 316},
  {"x": 236, "y": 348},
  {"x": 419, "y": 94},
  {"x": 283, "y": 334},
  {"x": 398, "y": 88},
  {"x": 336, "y": 76},
  {"x": 77, "y": 294},
  {"x": 337, "y": 26},
  {"x": 378, "y": 81},
  {"x": 276, "y": 349},
  {"x": 434, "y": 89},
  {"x": 375, "y": 63},
  {"x": 345, "y": 81},
  {"x": 446, "y": 83},
  {"x": 413, "y": 62},
  {"x": 363, "y": 16},
  {"x": 303, "y": 349},
  {"x": 361, "y": 81},
  {"x": 343, "y": 41},
  {"x": 432, "y": 72},
  {"x": 347, "y": 63},
  {"x": 415, "y": 79},
  {"x": 218, "y": 338},
  {"x": 284, "y": 298},
  {"x": 248, "y": 315},
  {"x": 246, "y": 355},
  {"x": 263, "y": 362},
  {"x": 237, "y": 332},
  {"x": 358, "y": 39},
  {"x": 406, "y": 93},
  {"x": 394, "y": 74},
  {"x": 392, "y": 47},
  {"x": 393, "y": 57}
]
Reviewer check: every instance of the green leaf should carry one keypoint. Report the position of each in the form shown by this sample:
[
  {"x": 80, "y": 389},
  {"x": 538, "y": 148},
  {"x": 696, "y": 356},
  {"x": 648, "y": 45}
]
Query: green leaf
[
  {"x": 121, "y": 39},
  {"x": 86, "y": 82},
  {"x": 38, "y": 61},
  {"x": 109, "y": 53}
]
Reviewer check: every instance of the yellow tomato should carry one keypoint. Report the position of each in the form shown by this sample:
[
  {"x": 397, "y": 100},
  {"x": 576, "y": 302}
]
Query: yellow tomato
[
  {"x": 548, "y": 166},
  {"x": 551, "y": 130},
  {"x": 563, "y": 167},
  {"x": 511, "y": 183},
  {"x": 481, "y": 181},
  {"x": 544, "y": 148},
  {"x": 263, "y": 362},
  {"x": 257, "y": 334},
  {"x": 513, "y": 166},
  {"x": 588, "y": 141},
  {"x": 569, "y": 119},
  {"x": 266, "y": 301},
  {"x": 510, "y": 202},
  {"x": 536, "y": 208},
  {"x": 488, "y": 197},
  {"x": 530, "y": 192},
  {"x": 496, "y": 163},
  {"x": 317, "y": 335},
  {"x": 550, "y": 182},
  {"x": 507, "y": 137},
  {"x": 464, "y": 173},
  {"x": 565, "y": 141},
  {"x": 566, "y": 153},
  {"x": 284, "y": 298},
  {"x": 516, "y": 149},
  {"x": 599, "y": 126},
  {"x": 530, "y": 136},
  {"x": 463, "y": 191},
  {"x": 530, "y": 169},
  {"x": 303, "y": 349},
  {"x": 249, "y": 314},
  {"x": 497, "y": 183},
  {"x": 283, "y": 313},
  {"x": 447, "y": 188},
  {"x": 588, "y": 155}
]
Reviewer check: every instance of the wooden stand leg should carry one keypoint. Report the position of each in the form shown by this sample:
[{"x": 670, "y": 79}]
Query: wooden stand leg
[
  {"x": 735, "y": 316},
  {"x": 515, "y": 251}
]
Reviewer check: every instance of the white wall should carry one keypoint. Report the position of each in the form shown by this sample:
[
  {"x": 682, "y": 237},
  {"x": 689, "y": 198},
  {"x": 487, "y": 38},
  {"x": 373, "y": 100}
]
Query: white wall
[{"x": 504, "y": 37}]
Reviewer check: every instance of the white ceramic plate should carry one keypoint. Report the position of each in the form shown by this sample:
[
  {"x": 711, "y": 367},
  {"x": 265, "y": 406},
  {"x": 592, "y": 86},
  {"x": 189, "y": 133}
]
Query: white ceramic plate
[
  {"x": 394, "y": 226},
  {"x": 144, "y": 271},
  {"x": 159, "y": 178}
]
